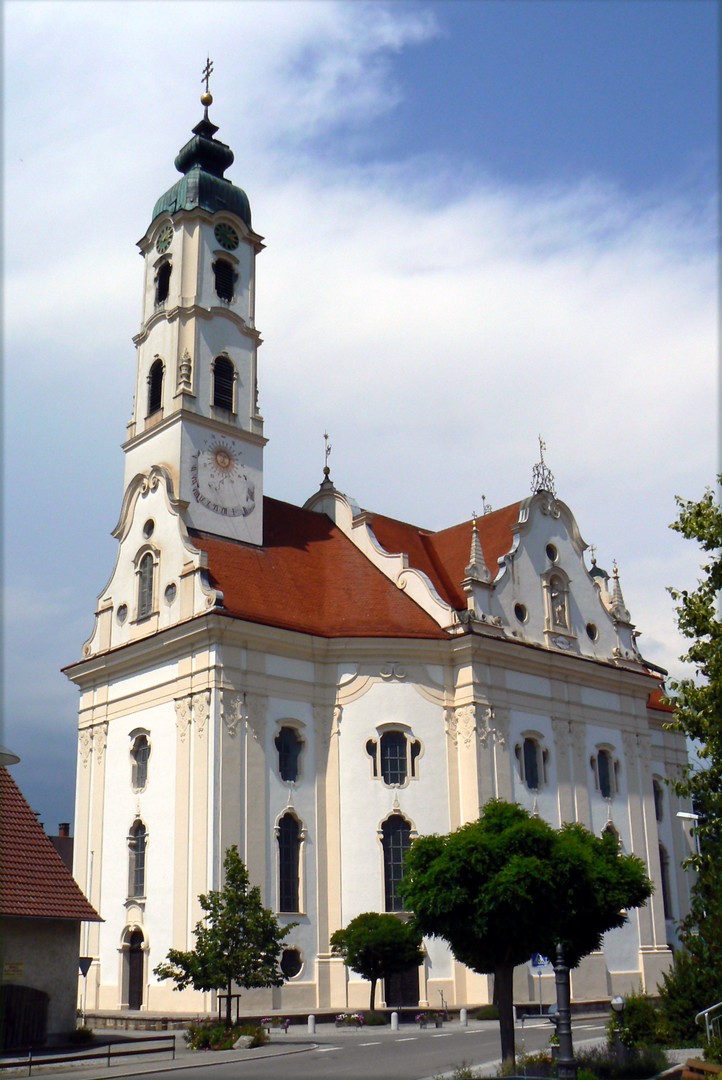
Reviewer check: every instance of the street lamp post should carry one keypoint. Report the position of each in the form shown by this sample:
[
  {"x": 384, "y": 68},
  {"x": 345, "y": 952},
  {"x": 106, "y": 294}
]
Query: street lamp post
[{"x": 567, "y": 1066}]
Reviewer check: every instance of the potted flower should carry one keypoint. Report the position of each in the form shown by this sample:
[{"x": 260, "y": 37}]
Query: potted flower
[{"x": 420, "y": 1019}]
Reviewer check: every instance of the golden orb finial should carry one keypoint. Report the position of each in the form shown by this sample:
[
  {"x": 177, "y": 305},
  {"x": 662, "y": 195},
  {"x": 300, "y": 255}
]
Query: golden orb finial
[{"x": 206, "y": 98}]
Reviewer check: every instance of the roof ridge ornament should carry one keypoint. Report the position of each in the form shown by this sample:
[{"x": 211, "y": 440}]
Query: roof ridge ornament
[
  {"x": 477, "y": 570},
  {"x": 619, "y": 609},
  {"x": 542, "y": 478},
  {"x": 327, "y": 482}
]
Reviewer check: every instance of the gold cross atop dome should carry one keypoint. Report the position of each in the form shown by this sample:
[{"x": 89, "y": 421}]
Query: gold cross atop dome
[{"x": 206, "y": 96}]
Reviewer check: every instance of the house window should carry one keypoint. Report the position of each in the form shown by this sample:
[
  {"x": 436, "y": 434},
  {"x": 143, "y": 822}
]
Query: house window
[
  {"x": 532, "y": 760},
  {"x": 394, "y": 757},
  {"x": 664, "y": 874},
  {"x": 224, "y": 376},
  {"x": 289, "y": 745},
  {"x": 137, "y": 839},
  {"x": 162, "y": 283},
  {"x": 225, "y": 277},
  {"x": 289, "y": 851},
  {"x": 606, "y": 772},
  {"x": 396, "y": 841},
  {"x": 658, "y": 799},
  {"x": 140, "y": 753},
  {"x": 155, "y": 386},
  {"x": 145, "y": 586}
]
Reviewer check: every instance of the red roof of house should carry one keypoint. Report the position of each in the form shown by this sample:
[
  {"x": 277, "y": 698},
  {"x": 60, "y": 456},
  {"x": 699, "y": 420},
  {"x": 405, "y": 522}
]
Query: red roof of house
[
  {"x": 657, "y": 700},
  {"x": 34, "y": 882},
  {"x": 310, "y": 577}
]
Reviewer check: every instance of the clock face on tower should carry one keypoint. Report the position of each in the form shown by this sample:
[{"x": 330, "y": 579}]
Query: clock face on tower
[{"x": 219, "y": 479}]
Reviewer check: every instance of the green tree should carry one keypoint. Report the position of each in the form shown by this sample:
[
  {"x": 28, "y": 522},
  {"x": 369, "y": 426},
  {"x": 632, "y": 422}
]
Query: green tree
[
  {"x": 377, "y": 946},
  {"x": 508, "y": 885},
  {"x": 237, "y": 941},
  {"x": 695, "y": 983}
]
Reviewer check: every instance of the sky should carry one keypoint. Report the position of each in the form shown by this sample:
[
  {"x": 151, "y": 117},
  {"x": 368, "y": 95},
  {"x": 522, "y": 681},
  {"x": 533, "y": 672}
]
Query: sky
[{"x": 485, "y": 221}]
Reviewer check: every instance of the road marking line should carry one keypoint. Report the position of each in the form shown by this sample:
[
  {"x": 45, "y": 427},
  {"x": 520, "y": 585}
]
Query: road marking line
[
  {"x": 408, "y": 1039},
  {"x": 444, "y": 1036},
  {"x": 325, "y": 1049},
  {"x": 370, "y": 1044}
]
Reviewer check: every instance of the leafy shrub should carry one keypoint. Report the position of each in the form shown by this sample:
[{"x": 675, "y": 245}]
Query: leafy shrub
[
  {"x": 375, "y": 1019},
  {"x": 692, "y": 985},
  {"x": 639, "y": 1024},
  {"x": 487, "y": 1012},
  {"x": 81, "y": 1036},
  {"x": 713, "y": 1050},
  {"x": 214, "y": 1035},
  {"x": 639, "y": 1062},
  {"x": 585, "y": 1074}
]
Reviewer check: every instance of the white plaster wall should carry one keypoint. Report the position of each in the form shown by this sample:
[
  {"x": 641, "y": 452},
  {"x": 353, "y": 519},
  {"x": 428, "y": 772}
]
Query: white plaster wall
[{"x": 48, "y": 950}]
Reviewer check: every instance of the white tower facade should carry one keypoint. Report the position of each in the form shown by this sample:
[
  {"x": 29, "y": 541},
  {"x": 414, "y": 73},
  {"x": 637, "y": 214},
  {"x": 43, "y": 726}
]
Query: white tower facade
[{"x": 195, "y": 411}]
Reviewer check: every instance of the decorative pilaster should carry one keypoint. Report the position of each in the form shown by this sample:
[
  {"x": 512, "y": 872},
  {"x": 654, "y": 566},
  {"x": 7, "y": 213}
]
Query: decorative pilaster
[
  {"x": 562, "y": 747},
  {"x": 100, "y": 739},
  {"x": 580, "y": 774},
  {"x": 231, "y": 711},
  {"x": 201, "y": 711},
  {"x": 182, "y": 716}
]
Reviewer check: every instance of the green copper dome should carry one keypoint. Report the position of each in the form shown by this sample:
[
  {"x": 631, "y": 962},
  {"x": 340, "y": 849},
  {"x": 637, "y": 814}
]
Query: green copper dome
[{"x": 203, "y": 160}]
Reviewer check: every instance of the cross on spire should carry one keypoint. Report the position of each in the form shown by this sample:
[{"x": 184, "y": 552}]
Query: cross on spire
[{"x": 207, "y": 72}]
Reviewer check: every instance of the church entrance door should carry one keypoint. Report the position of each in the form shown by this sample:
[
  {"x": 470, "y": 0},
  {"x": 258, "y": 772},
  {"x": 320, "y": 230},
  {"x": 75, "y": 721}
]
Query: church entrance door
[
  {"x": 135, "y": 970},
  {"x": 402, "y": 989}
]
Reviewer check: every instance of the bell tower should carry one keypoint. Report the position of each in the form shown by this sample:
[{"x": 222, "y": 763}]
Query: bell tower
[{"x": 195, "y": 411}]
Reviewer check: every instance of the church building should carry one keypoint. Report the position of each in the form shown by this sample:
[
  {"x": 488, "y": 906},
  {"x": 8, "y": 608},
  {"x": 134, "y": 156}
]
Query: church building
[{"x": 320, "y": 684}]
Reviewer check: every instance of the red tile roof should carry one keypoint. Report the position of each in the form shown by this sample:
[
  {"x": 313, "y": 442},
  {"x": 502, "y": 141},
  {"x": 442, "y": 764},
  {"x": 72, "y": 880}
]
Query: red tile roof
[
  {"x": 444, "y": 555},
  {"x": 657, "y": 701},
  {"x": 34, "y": 881},
  {"x": 310, "y": 577}
]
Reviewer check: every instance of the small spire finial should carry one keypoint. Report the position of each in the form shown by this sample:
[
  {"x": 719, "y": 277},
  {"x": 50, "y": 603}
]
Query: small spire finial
[
  {"x": 486, "y": 507},
  {"x": 206, "y": 96},
  {"x": 542, "y": 478},
  {"x": 326, "y": 455},
  {"x": 593, "y": 551}
]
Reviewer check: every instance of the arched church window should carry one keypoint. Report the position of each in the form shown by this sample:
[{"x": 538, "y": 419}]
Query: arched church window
[
  {"x": 658, "y": 799},
  {"x": 224, "y": 377},
  {"x": 664, "y": 874},
  {"x": 162, "y": 282},
  {"x": 289, "y": 851},
  {"x": 137, "y": 839},
  {"x": 393, "y": 757},
  {"x": 140, "y": 753},
  {"x": 606, "y": 772},
  {"x": 225, "y": 277},
  {"x": 155, "y": 386},
  {"x": 145, "y": 586},
  {"x": 396, "y": 841},
  {"x": 532, "y": 759},
  {"x": 289, "y": 745}
]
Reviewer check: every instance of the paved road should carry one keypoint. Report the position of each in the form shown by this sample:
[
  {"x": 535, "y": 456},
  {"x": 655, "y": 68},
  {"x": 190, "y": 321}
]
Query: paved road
[{"x": 409, "y": 1054}]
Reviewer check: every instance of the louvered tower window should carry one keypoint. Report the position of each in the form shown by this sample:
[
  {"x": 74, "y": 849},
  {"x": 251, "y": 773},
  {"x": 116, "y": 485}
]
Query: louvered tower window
[
  {"x": 224, "y": 375},
  {"x": 225, "y": 277}
]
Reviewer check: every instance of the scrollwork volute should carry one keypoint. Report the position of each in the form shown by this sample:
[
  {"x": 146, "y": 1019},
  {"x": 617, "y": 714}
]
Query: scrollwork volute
[
  {"x": 85, "y": 743},
  {"x": 231, "y": 711},
  {"x": 182, "y": 716},
  {"x": 256, "y": 714},
  {"x": 201, "y": 711},
  {"x": 100, "y": 740},
  {"x": 466, "y": 723}
]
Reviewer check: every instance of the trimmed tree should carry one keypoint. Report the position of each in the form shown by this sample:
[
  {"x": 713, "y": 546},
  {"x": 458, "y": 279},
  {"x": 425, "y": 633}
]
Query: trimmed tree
[
  {"x": 508, "y": 885},
  {"x": 696, "y": 980},
  {"x": 377, "y": 946},
  {"x": 237, "y": 941}
]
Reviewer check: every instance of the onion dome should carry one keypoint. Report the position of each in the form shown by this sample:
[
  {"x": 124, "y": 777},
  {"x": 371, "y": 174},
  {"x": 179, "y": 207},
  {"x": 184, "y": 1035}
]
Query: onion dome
[{"x": 203, "y": 161}]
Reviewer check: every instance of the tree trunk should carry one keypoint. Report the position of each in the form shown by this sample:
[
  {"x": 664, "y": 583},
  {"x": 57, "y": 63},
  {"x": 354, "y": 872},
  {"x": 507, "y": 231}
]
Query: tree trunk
[
  {"x": 504, "y": 985},
  {"x": 373, "y": 994},
  {"x": 228, "y": 1003}
]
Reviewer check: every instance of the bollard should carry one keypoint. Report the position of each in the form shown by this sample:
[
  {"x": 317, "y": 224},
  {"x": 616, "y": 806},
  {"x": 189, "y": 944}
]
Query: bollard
[
  {"x": 394, "y": 1021},
  {"x": 463, "y": 1017},
  {"x": 312, "y": 1024}
]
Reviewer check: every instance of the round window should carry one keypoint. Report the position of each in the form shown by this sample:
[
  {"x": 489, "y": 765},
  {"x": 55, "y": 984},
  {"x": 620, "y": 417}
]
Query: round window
[
  {"x": 148, "y": 528},
  {"x": 170, "y": 592},
  {"x": 521, "y": 612},
  {"x": 291, "y": 962},
  {"x": 552, "y": 553},
  {"x": 122, "y": 613},
  {"x": 592, "y": 632}
]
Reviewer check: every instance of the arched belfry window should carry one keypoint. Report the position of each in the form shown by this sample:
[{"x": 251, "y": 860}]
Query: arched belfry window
[
  {"x": 155, "y": 386},
  {"x": 146, "y": 573},
  {"x": 606, "y": 772},
  {"x": 225, "y": 278},
  {"x": 289, "y": 863},
  {"x": 224, "y": 379},
  {"x": 532, "y": 760},
  {"x": 162, "y": 282},
  {"x": 137, "y": 840},
  {"x": 395, "y": 841},
  {"x": 394, "y": 756}
]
